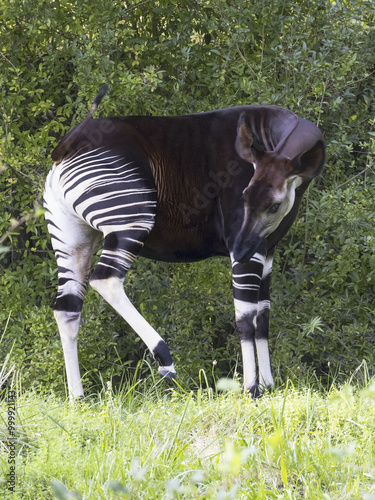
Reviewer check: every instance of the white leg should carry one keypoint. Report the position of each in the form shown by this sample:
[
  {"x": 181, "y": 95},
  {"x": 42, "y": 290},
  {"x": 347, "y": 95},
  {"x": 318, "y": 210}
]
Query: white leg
[
  {"x": 265, "y": 375},
  {"x": 246, "y": 318},
  {"x": 112, "y": 290},
  {"x": 261, "y": 340},
  {"x": 68, "y": 323},
  {"x": 249, "y": 364}
]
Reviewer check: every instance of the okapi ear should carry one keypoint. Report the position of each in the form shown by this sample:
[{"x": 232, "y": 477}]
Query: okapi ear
[
  {"x": 310, "y": 163},
  {"x": 247, "y": 145}
]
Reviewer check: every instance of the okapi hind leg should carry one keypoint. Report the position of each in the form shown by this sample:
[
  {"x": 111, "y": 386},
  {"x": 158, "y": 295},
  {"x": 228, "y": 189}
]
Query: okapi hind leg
[
  {"x": 74, "y": 244},
  {"x": 68, "y": 323},
  {"x": 108, "y": 280}
]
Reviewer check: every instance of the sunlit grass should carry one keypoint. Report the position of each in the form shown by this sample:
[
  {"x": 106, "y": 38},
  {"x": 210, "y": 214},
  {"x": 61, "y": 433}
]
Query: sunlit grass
[{"x": 153, "y": 442}]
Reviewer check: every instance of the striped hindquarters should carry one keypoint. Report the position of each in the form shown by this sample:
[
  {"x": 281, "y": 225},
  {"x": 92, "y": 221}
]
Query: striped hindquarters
[{"x": 103, "y": 191}]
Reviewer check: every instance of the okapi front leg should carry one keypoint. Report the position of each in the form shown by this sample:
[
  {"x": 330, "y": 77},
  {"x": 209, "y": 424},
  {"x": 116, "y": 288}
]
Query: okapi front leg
[
  {"x": 251, "y": 301},
  {"x": 262, "y": 326},
  {"x": 246, "y": 322}
]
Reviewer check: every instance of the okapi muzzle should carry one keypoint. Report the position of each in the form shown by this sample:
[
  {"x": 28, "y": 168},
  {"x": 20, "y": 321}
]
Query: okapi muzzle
[{"x": 267, "y": 201}]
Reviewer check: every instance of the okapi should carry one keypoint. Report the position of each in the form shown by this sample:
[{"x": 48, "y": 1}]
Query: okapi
[{"x": 177, "y": 189}]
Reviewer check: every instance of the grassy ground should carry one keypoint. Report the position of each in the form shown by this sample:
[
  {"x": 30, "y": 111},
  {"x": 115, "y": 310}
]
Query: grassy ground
[{"x": 152, "y": 442}]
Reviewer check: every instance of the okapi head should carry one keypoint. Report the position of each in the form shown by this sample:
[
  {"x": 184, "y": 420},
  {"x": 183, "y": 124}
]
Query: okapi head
[{"x": 287, "y": 153}]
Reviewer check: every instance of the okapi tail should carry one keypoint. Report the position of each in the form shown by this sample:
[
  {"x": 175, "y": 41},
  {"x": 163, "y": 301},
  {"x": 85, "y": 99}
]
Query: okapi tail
[{"x": 65, "y": 146}]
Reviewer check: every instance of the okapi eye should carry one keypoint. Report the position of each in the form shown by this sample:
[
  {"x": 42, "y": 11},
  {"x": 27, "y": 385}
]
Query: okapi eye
[{"x": 274, "y": 208}]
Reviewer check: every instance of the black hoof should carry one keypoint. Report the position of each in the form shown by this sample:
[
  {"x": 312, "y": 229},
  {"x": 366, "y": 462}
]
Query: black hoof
[
  {"x": 167, "y": 374},
  {"x": 255, "y": 392}
]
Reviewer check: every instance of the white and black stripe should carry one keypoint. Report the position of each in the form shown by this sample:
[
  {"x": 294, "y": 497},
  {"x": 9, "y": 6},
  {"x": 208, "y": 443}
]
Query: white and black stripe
[
  {"x": 94, "y": 194},
  {"x": 111, "y": 196}
]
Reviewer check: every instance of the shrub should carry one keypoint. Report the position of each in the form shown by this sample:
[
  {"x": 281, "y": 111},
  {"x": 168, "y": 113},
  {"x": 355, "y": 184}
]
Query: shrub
[{"x": 312, "y": 57}]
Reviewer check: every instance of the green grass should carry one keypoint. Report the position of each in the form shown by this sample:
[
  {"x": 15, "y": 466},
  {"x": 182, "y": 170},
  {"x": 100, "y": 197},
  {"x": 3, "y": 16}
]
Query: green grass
[{"x": 153, "y": 442}]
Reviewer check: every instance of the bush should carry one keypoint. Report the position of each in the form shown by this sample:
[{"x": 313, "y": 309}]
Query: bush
[
  {"x": 312, "y": 57},
  {"x": 327, "y": 266}
]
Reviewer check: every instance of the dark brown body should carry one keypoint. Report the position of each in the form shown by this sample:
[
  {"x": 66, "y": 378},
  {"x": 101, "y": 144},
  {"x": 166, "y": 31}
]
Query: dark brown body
[{"x": 198, "y": 174}]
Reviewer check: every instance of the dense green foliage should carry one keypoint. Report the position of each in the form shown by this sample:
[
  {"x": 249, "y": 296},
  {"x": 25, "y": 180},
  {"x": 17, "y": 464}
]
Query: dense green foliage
[{"x": 314, "y": 57}]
